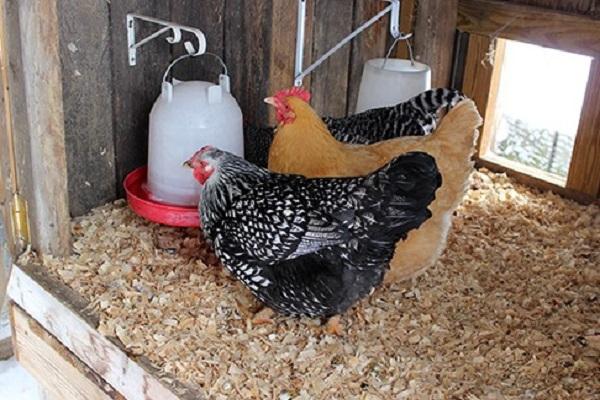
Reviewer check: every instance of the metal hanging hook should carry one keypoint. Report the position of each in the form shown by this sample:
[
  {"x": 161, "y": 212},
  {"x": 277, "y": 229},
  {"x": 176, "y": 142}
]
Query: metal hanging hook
[
  {"x": 300, "y": 73},
  {"x": 176, "y": 35}
]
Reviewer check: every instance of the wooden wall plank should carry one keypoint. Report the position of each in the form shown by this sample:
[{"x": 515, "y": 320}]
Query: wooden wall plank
[
  {"x": 87, "y": 92},
  {"x": 48, "y": 191},
  {"x": 567, "y": 32},
  {"x": 283, "y": 47},
  {"x": 58, "y": 371},
  {"x": 48, "y": 303},
  {"x": 584, "y": 171},
  {"x": 583, "y": 7},
  {"x": 18, "y": 113},
  {"x": 477, "y": 81},
  {"x": 6, "y": 184},
  {"x": 333, "y": 20},
  {"x": 6, "y": 261},
  {"x": 370, "y": 44},
  {"x": 435, "y": 28},
  {"x": 247, "y": 52},
  {"x": 135, "y": 88},
  {"x": 408, "y": 13},
  {"x": 486, "y": 139},
  {"x": 478, "y": 73},
  {"x": 208, "y": 16}
]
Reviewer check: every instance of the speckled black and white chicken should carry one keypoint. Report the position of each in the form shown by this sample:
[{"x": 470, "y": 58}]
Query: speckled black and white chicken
[{"x": 310, "y": 246}]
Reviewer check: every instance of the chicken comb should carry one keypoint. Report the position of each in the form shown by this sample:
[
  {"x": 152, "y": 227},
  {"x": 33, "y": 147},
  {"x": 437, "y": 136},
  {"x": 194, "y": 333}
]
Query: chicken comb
[
  {"x": 295, "y": 91},
  {"x": 203, "y": 150}
]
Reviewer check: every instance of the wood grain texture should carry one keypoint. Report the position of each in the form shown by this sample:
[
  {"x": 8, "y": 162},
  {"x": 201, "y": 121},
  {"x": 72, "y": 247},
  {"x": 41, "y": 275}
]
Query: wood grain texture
[
  {"x": 208, "y": 16},
  {"x": 58, "y": 310},
  {"x": 283, "y": 46},
  {"x": 435, "y": 28},
  {"x": 247, "y": 53},
  {"x": 135, "y": 88},
  {"x": 87, "y": 93},
  {"x": 5, "y": 266},
  {"x": 583, "y": 7},
  {"x": 548, "y": 28},
  {"x": 56, "y": 369},
  {"x": 477, "y": 83},
  {"x": 584, "y": 171},
  {"x": 408, "y": 11},
  {"x": 489, "y": 128},
  {"x": 48, "y": 199},
  {"x": 6, "y": 184},
  {"x": 370, "y": 44},
  {"x": 478, "y": 73},
  {"x": 17, "y": 115},
  {"x": 329, "y": 86}
]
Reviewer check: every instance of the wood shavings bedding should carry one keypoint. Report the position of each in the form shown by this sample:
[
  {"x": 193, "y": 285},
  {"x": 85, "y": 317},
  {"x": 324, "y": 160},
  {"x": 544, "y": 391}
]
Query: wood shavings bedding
[{"x": 511, "y": 310}]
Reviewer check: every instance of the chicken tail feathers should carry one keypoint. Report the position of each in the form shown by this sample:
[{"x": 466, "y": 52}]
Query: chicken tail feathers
[{"x": 404, "y": 188}]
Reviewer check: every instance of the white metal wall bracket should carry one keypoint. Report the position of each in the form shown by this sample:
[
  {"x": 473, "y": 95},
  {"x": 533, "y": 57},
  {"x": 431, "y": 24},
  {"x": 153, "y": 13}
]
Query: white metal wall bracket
[
  {"x": 176, "y": 30},
  {"x": 300, "y": 73}
]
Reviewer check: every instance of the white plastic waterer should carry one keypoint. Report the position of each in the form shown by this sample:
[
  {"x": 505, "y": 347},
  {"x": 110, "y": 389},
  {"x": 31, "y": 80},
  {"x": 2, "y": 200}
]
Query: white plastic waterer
[
  {"x": 392, "y": 81},
  {"x": 185, "y": 117}
]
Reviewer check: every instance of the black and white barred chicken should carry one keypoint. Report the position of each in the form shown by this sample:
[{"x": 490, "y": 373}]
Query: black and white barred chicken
[
  {"x": 418, "y": 116},
  {"x": 310, "y": 247}
]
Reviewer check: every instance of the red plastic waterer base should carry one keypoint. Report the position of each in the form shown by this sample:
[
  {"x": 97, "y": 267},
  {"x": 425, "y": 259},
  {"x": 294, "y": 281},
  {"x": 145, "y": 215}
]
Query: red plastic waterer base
[{"x": 167, "y": 214}]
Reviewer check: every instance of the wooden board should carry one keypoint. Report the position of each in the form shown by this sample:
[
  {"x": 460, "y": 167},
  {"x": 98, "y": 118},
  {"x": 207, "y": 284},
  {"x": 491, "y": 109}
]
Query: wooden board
[
  {"x": 435, "y": 28},
  {"x": 247, "y": 53},
  {"x": 584, "y": 7},
  {"x": 567, "y": 32},
  {"x": 486, "y": 138},
  {"x": 135, "y": 88},
  {"x": 370, "y": 44},
  {"x": 329, "y": 85},
  {"x": 6, "y": 172},
  {"x": 478, "y": 72},
  {"x": 283, "y": 46},
  {"x": 208, "y": 16},
  {"x": 5, "y": 265},
  {"x": 57, "y": 370},
  {"x": 59, "y": 311},
  {"x": 584, "y": 171},
  {"x": 408, "y": 10},
  {"x": 85, "y": 56},
  {"x": 17, "y": 115},
  {"x": 42, "y": 80}
]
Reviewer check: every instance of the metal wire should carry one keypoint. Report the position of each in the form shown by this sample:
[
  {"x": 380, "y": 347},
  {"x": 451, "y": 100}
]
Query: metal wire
[
  {"x": 175, "y": 61},
  {"x": 342, "y": 43}
]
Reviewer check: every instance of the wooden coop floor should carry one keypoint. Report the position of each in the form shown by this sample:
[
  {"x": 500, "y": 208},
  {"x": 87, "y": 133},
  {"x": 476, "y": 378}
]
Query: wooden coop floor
[{"x": 511, "y": 310}]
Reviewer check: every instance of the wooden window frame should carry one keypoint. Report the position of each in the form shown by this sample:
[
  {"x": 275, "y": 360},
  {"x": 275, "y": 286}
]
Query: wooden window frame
[{"x": 484, "y": 19}]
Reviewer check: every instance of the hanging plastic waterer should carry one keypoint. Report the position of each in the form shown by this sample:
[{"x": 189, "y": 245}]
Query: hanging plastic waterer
[
  {"x": 385, "y": 81},
  {"x": 389, "y": 81}
]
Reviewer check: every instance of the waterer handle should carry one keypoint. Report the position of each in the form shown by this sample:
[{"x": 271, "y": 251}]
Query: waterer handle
[{"x": 167, "y": 87}]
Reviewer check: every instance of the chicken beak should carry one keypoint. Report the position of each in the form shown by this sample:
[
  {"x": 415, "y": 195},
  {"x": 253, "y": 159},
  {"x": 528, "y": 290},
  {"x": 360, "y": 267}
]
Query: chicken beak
[
  {"x": 271, "y": 101},
  {"x": 187, "y": 164}
]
